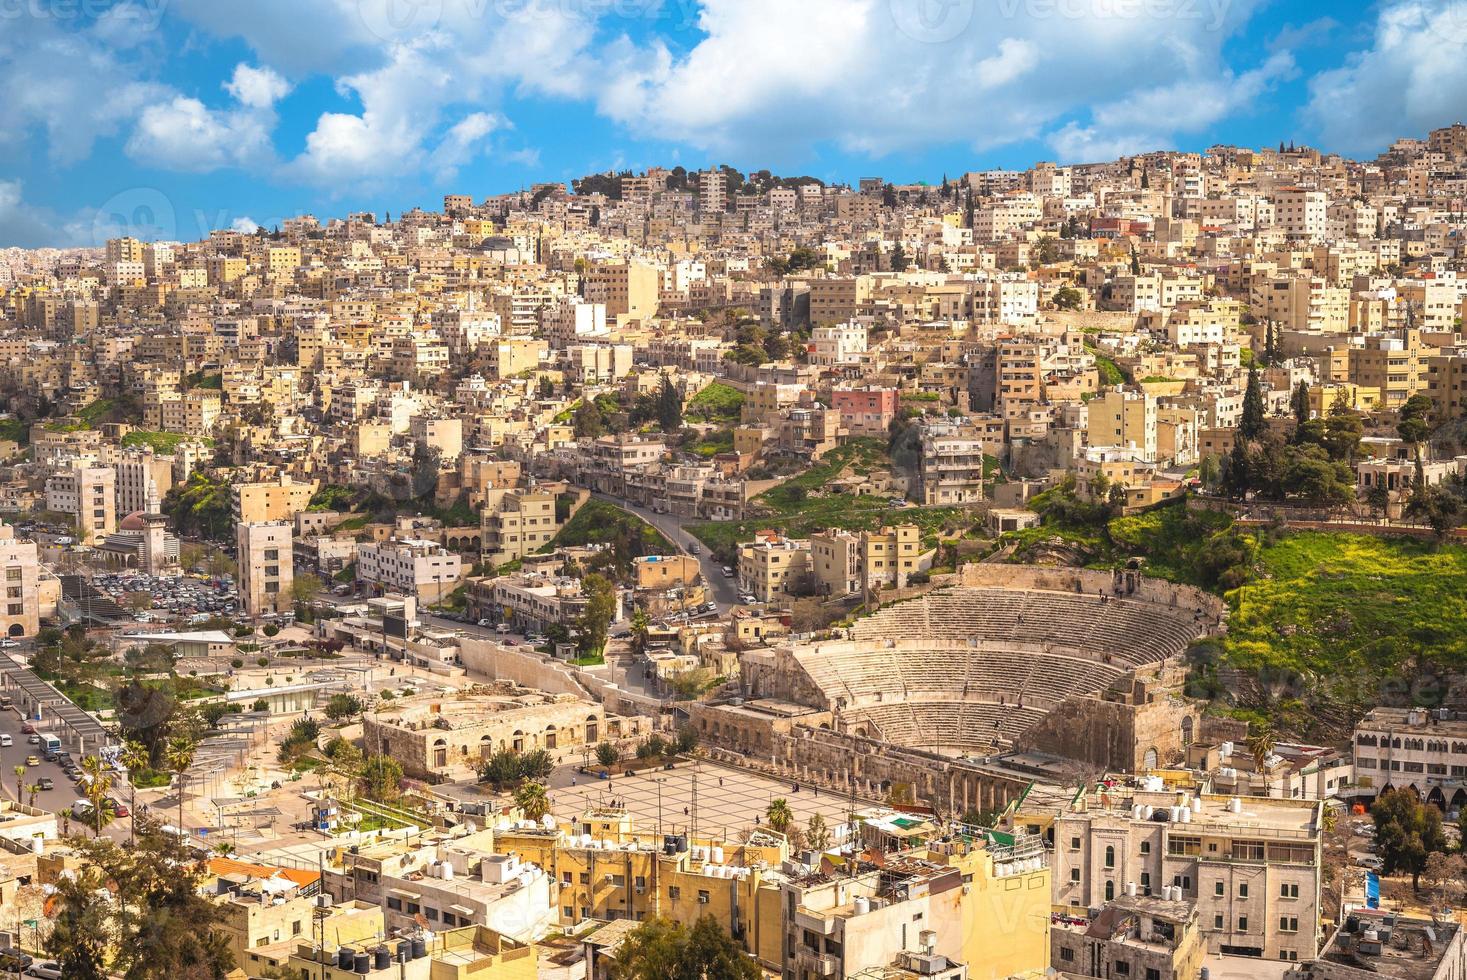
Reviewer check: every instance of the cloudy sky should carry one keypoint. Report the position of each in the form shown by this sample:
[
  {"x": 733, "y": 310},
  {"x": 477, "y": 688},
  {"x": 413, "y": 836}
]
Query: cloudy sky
[{"x": 171, "y": 118}]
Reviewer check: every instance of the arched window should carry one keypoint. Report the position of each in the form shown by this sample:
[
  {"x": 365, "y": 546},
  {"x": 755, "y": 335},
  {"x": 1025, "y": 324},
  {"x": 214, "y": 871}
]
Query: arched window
[
  {"x": 1110, "y": 890},
  {"x": 1110, "y": 856}
]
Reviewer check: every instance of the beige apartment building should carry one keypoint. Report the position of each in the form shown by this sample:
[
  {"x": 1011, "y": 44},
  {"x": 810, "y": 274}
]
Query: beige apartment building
[
  {"x": 1422, "y": 749},
  {"x": 265, "y": 552},
  {"x": 773, "y": 567},
  {"x": 523, "y": 523},
  {"x": 951, "y": 469},
  {"x": 629, "y": 290},
  {"x": 192, "y": 412},
  {"x": 1123, "y": 419},
  {"x": 275, "y": 500},
  {"x": 1395, "y": 364},
  {"x": 1136, "y": 936},
  {"x": 20, "y": 576},
  {"x": 89, "y": 495},
  {"x": 143, "y": 480},
  {"x": 846, "y": 562},
  {"x": 1251, "y": 866}
]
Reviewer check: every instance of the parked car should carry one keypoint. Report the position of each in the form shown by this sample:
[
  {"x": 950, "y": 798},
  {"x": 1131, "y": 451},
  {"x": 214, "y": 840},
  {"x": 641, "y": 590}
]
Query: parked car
[
  {"x": 1369, "y": 861},
  {"x": 728, "y": 572},
  {"x": 33, "y": 739},
  {"x": 5, "y": 739},
  {"x": 45, "y": 970},
  {"x": 27, "y": 729},
  {"x": 45, "y": 782}
]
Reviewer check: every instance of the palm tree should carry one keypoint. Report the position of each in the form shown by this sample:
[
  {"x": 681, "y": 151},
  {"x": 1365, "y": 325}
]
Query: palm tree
[
  {"x": 532, "y": 800},
  {"x": 19, "y": 784},
  {"x": 33, "y": 789},
  {"x": 779, "y": 815},
  {"x": 99, "y": 786},
  {"x": 180, "y": 757},
  {"x": 1261, "y": 743},
  {"x": 134, "y": 757}
]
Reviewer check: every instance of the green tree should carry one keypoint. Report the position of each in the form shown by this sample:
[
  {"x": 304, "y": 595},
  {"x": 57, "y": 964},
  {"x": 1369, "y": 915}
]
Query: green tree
[
  {"x": 532, "y": 800},
  {"x": 98, "y": 792},
  {"x": 341, "y": 707},
  {"x": 1439, "y": 509},
  {"x": 817, "y": 834},
  {"x": 669, "y": 406},
  {"x": 641, "y": 625},
  {"x": 80, "y": 927},
  {"x": 382, "y": 779},
  {"x": 662, "y": 950},
  {"x": 607, "y": 754},
  {"x": 898, "y": 258},
  {"x": 1209, "y": 471},
  {"x": 1407, "y": 833},
  {"x": 306, "y": 588},
  {"x": 595, "y": 619},
  {"x": 1299, "y": 405},
  {"x": 180, "y": 758},
  {"x": 588, "y": 420},
  {"x": 1413, "y": 423},
  {"x": 1067, "y": 298},
  {"x": 779, "y": 814},
  {"x": 159, "y": 925},
  {"x": 1250, "y": 424}
]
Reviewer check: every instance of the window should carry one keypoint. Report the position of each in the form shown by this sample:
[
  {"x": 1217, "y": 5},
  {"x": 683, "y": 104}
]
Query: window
[
  {"x": 1122, "y": 968},
  {"x": 1074, "y": 843},
  {"x": 395, "y": 904},
  {"x": 1075, "y": 875},
  {"x": 1243, "y": 890},
  {"x": 1146, "y": 847},
  {"x": 1110, "y": 856},
  {"x": 1218, "y": 889},
  {"x": 1288, "y": 891},
  {"x": 674, "y": 892},
  {"x": 702, "y": 897},
  {"x": 1217, "y": 921},
  {"x": 1288, "y": 923},
  {"x": 1152, "y": 973},
  {"x": 1068, "y": 955},
  {"x": 1110, "y": 890},
  {"x": 1242, "y": 923}
]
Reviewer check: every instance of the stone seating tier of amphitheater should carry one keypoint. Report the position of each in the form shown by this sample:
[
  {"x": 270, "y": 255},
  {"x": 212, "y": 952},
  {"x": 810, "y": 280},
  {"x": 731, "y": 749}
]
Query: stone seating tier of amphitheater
[{"x": 975, "y": 665}]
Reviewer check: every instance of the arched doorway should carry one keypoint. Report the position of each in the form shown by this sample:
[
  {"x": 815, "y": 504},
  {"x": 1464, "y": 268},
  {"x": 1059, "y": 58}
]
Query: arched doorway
[{"x": 1148, "y": 761}]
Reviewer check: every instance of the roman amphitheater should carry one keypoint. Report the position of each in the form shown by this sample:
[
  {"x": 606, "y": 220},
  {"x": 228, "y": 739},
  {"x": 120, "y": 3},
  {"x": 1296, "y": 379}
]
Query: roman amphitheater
[{"x": 1023, "y": 662}]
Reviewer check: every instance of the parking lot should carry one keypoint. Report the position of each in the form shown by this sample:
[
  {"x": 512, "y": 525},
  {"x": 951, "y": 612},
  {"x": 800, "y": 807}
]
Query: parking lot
[{"x": 173, "y": 597}]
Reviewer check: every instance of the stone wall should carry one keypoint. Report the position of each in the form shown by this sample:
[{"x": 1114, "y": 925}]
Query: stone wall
[
  {"x": 1129, "y": 583},
  {"x": 525, "y": 667}
]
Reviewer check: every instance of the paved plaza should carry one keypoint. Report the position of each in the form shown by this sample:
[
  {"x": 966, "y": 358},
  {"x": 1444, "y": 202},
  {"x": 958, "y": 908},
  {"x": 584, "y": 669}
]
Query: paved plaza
[{"x": 729, "y": 800}]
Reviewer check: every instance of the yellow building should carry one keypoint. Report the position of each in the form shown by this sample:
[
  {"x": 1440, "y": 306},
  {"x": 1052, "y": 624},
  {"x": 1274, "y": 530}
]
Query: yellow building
[{"x": 275, "y": 500}]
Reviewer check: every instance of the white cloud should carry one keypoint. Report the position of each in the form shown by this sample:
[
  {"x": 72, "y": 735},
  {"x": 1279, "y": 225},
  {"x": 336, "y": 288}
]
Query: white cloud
[
  {"x": 245, "y": 225},
  {"x": 1412, "y": 78},
  {"x": 258, "y": 88},
  {"x": 76, "y": 85},
  {"x": 877, "y": 76},
  {"x": 181, "y": 133},
  {"x": 1150, "y": 119},
  {"x": 463, "y": 141}
]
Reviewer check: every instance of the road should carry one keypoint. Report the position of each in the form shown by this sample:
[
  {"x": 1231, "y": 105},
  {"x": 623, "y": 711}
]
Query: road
[
  {"x": 64, "y": 793},
  {"x": 723, "y": 591}
]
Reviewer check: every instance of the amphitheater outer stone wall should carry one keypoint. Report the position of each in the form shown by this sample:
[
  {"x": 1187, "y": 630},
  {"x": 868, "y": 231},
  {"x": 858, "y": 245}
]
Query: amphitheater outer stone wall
[{"x": 1126, "y": 582}]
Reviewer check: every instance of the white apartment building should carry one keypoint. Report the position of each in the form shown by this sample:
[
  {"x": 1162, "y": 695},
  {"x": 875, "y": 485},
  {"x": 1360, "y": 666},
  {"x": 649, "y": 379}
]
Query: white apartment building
[
  {"x": 412, "y": 567},
  {"x": 1302, "y": 213},
  {"x": 841, "y": 343}
]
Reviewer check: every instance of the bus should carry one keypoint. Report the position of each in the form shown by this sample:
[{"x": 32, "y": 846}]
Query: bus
[{"x": 50, "y": 745}]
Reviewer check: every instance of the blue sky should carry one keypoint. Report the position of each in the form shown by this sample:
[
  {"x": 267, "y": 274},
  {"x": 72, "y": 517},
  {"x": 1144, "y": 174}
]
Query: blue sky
[{"x": 170, "y": 118}]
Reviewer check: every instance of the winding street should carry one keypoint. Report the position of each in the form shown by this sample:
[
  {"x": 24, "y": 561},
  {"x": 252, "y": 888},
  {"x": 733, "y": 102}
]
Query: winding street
[{"x": 723, "y": 591}]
